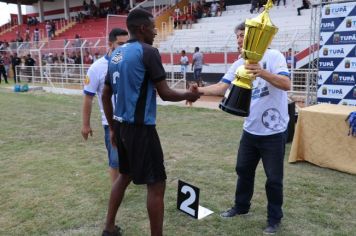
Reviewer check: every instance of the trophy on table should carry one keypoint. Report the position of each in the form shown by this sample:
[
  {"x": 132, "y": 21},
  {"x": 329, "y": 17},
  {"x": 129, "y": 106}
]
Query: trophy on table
[{"x": 259, "y": 33}]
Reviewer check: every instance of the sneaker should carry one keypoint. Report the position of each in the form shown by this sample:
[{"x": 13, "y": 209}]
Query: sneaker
[
  {"x": 116, "y": 232},
  {"x": 271, "y": 229},
  {"x": 232, "y": 212}
]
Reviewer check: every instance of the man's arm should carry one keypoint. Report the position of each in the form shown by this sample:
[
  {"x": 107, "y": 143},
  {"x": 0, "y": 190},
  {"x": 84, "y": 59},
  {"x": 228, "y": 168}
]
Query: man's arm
[
  {"x": 218, "y": 89},
  {"x": 108, "y": 110},
  {"x": 87, "y": 105},
  {"x": 279, "y": 81},
  {"x": 107, "y": 104},
  {"x": 168, "y": 94}
]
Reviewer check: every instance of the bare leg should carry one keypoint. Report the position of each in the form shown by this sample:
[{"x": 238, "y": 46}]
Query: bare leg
[
  {"x": 116, "y": 196},
  {"x": 155, "y": 207},
  {"x": 114, "y": 173}
]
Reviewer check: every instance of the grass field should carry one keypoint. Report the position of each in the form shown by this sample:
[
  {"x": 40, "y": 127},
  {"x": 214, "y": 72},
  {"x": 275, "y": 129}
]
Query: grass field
[{"x": 54, "y": 183}]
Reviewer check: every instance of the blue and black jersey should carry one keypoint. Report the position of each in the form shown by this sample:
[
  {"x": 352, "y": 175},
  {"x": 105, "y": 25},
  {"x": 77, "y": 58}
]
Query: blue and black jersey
[{"x": 134, "y": 68}]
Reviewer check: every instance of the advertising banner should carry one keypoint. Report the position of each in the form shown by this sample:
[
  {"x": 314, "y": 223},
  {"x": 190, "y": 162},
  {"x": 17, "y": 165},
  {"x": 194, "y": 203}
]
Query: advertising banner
[{"x": 337, "y": 54}]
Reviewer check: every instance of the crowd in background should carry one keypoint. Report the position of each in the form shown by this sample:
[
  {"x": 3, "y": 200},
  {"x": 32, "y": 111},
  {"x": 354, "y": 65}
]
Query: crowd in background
[
  {"x": 258, "y": 4},
  {"x": 196, "y": 11}
]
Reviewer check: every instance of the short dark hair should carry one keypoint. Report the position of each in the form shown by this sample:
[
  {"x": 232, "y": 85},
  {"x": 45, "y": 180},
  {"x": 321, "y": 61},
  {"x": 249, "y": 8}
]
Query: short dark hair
[
  {"x": 116, "y": 32},
  {"x": 136, "y": 18},
  {"x": 183, "y": 51},
  {"x": 197, "y": 49},
  {"x": 240, "y": 26}
]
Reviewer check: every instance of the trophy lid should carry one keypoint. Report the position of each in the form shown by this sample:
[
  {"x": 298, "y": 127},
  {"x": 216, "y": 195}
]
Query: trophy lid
[{"x": 259, "y": 33}]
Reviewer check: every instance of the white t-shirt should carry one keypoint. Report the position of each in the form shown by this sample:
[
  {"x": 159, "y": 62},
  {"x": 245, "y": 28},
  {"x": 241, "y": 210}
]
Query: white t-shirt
[
  {"x": 184, "y": 63},
  {"x": 269, "y": 105},
  {"x": 94, "y": 82}
]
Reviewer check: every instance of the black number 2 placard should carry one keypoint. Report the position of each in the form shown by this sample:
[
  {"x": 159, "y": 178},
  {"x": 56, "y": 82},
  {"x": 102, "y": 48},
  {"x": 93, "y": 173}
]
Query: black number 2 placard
[{"x": 188, "y": 199}]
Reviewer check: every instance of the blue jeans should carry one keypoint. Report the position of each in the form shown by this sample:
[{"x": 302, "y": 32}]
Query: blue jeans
[
  {"x": 112, "y": 151},
  {"x": 271, "y": 150},
  {"x": 197, "y": 74}
]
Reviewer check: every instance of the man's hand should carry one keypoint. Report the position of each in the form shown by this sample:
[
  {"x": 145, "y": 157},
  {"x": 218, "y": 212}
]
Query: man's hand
[
  {"x": 194, "y": 92},
  {"x": 255, "y": 70},
  {"x": 86, "y": 130}
]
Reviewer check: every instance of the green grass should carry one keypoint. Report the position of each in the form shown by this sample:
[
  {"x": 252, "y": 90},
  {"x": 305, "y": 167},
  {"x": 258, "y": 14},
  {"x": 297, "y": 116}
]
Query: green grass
[{"x": 54, "y": 183}]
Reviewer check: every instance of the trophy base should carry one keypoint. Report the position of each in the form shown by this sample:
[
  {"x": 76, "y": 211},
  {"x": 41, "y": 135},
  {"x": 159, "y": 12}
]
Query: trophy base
[{"x": 237, "y": 102}]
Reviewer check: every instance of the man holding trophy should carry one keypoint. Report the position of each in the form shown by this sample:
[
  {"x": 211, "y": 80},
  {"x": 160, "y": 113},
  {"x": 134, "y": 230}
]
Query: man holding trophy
[{"x": 255, "y": 87}]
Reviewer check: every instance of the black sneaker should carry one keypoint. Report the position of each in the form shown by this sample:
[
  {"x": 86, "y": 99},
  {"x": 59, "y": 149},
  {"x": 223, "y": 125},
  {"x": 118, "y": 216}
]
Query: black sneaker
[
  {"x": 116, "y": 232},
  {"x": 232, "y": 212},
  {"x": 271, "y": 229}
]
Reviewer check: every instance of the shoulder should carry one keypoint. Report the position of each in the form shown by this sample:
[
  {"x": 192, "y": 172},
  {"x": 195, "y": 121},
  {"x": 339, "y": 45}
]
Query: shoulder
[
  {"x": 102, "y": 61},
  {"x": 272, "y": 53},
  {"x": 149, "y": 48},
  {"x": 238, "y": 63},
  {"x": 99, "y": 66}
]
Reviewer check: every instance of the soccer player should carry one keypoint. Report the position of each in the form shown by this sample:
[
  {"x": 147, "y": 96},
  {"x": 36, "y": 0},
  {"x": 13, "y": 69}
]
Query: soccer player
[
  {"x": 135, "y": 74},
  {"x": 94, "y": 84}
]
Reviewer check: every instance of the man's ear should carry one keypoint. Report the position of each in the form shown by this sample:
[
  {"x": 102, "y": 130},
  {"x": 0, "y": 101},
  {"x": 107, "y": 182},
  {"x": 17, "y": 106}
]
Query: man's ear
[{"x": 142, "y": 28}]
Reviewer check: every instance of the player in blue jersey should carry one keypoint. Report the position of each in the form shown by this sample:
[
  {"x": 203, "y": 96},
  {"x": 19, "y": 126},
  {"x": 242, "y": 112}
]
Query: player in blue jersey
[
  {"x": 135, "y": 74},
  {"x": 94, "y": 84}
]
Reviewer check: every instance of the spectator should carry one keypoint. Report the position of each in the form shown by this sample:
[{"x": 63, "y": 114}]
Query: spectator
[
  {"x": 261, "y": 3},
  {"x": 77, "y": 41},
  {"x": 184, "y": 62},
  {"x": 53, "y": 29},
  {"x": 197, "y": 66},
  {"x": 182, "y": 19},
  {"x": 7, "y": 63},
  {"x": 16, "y": 61},
  {"x": 291, "y": 59},
  {"x": 29, "y": 63},
  {"x": 189, "y": 21},
  {"x": 87, "y": 59},
  {"x": 284, "y": 2},
  {"x": 254, "y": 4},
  {"x": 36, "y": 35},
  {"x": 61, "y": 58},
  {"x": 3, "y": 70},
  {"x": 306, "y": 5},
  {"x": 27, "y": 31},
  {"x": 175, "y": 19},
  {"x": 222, "y": 5},
  {"x": 29, "y": 21},
  {"x": 85, "y": 6},
  {"x": 214, "y": 9},
  {"x": 48, "y": 30}
]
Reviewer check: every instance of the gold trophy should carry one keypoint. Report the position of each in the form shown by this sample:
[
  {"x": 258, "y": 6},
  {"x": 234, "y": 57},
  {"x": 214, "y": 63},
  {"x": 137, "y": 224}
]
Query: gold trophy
[{"x": 259, "y": 33}]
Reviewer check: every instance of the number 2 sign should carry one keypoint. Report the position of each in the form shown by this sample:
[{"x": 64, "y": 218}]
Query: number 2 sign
[{"x": 188, "y": 201}]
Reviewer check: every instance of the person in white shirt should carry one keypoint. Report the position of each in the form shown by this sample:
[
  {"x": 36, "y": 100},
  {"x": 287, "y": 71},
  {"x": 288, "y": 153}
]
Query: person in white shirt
[
  {"x": 264, "y": 131},
  {"x": 94, "y": 84},
  {"x": 184, "y": 62}
]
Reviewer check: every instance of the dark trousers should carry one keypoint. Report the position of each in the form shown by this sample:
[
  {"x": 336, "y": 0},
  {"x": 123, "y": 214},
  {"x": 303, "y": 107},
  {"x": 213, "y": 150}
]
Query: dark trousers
[
  {"x": 14, "y": 70},
  {"x": 271, "y": 150},
  {"x": 305, "y": 6},
  {"x": 284, "y": 2},
  {"x": 3, "y": 74}
]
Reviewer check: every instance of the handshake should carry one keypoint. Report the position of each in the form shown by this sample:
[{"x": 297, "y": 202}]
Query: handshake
[{"x": 192, "y": 94}]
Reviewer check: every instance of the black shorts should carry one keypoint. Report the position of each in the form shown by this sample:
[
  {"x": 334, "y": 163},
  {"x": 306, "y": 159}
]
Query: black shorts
[{"x": 140, "y": 153}]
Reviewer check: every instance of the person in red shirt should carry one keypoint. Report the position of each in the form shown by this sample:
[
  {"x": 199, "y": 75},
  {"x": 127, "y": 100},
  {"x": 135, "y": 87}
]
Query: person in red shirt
[
  {"x": 182, "y": 19},
  {"x": 189, "y": 20}
]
